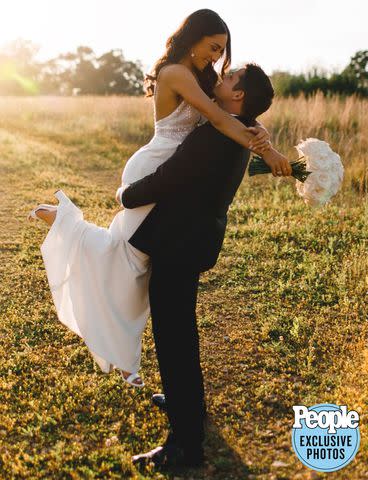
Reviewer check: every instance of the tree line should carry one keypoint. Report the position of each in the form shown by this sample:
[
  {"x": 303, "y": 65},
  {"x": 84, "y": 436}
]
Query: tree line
[
  {"x": 352, "y": 80},
  {"x": 82, "y": 72}
]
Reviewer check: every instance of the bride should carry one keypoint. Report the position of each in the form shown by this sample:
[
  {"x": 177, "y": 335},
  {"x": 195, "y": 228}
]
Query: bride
[{"x": 98, "y": 281}]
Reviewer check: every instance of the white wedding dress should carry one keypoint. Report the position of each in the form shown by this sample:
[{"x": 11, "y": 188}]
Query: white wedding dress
[{"x": 98, "y": 281}]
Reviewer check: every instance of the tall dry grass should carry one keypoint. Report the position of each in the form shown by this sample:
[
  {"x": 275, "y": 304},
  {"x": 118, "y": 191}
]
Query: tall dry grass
[{"x": 343, "y": 123}]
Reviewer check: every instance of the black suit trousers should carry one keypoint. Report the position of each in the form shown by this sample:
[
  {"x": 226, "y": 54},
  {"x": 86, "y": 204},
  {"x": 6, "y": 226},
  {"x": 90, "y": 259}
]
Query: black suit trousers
[{"x": 173, "y": 296}]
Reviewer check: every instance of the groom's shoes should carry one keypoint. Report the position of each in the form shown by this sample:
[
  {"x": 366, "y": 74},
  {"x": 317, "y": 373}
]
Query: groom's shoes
[
  {"x": 159, "y": 400},
  {"x": 169, "y": 455}
]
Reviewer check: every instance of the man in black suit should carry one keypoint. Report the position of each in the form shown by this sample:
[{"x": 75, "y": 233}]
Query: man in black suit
[{"x": 183, "y": 235}]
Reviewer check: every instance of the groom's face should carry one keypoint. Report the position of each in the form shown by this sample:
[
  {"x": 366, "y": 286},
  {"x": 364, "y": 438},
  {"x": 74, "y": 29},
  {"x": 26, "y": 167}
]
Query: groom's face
[{"x": 226, "y": 91}]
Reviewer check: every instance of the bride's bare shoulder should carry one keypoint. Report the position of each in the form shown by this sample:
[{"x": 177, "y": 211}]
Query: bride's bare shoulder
[{"x": 174, "y": 72}]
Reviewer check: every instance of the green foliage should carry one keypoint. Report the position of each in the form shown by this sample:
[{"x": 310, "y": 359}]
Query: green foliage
[
  {"x": 358, "y": 70},
  {"x": 352, "y": 80},
  {"x": 84, "y": 73}
]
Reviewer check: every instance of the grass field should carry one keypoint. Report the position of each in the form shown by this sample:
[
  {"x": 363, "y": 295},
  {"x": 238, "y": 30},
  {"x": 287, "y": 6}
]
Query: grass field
[{"x": 282, "y": 316}]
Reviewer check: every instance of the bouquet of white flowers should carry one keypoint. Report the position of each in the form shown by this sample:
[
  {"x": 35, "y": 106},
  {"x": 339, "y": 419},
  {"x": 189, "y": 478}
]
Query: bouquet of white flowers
[{"x": 319, "y": 172}]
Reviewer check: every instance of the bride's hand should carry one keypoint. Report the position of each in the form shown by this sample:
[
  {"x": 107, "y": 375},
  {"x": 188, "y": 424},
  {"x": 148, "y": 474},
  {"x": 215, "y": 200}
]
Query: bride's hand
[
  {"x": 118, "y": 196},
  {"x": 261, "y": 139}
]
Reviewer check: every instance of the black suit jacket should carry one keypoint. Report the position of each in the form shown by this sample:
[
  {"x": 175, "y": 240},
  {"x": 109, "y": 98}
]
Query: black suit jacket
[{"x": 192, "y": 191}]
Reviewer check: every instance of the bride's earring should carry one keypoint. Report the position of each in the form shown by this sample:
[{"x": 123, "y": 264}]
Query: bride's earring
[{"x": 192, "y": 54}]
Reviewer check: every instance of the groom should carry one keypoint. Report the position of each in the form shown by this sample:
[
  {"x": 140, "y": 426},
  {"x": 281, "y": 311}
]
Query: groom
[{"x": 183, "y": 235}]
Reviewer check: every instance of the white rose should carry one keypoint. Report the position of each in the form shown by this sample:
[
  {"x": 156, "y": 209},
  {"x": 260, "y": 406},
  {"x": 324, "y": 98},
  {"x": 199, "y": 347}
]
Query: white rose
[
  {"x": 319, "y": 162},
  {"x": 337, "y": 165},
  {"x": 327, "y": 172},
  {"x": 322, "y": 179},
  {"x": 315, "y": 190},
  {"x": 335, "y": 186},
  {"x": 313, "y": 147}
]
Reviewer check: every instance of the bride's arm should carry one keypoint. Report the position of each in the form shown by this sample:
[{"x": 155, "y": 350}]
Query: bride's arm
[
  {"x": 261, "y": 131},
  {"x": 182, "y": 82}
]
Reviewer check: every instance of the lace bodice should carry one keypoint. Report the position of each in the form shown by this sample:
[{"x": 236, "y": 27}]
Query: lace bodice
[{"x": 179, "y": 123}]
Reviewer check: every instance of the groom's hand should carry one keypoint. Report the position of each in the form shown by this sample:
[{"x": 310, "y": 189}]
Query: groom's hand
[{"x": 278, "y": 163}]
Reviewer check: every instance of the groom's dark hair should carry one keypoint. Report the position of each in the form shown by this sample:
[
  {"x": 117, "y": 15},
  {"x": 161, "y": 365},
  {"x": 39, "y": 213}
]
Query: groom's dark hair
[{"x": 258, "y": 91}]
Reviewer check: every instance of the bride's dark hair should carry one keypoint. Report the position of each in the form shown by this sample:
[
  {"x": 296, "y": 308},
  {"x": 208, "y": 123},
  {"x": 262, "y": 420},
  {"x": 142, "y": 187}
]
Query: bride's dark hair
[{"x": 199, "y": 24}]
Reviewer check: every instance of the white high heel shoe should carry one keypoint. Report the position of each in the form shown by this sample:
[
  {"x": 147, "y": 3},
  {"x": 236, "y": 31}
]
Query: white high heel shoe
[
  {"x": 131, "y": 378},
  {"x": 42, "y": 206},
  {"x": 59, "y": 194}
]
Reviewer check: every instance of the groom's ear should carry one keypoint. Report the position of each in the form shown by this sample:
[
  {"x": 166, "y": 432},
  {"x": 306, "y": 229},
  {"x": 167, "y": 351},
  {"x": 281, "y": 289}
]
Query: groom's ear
[{"x": 238, "y": 95}]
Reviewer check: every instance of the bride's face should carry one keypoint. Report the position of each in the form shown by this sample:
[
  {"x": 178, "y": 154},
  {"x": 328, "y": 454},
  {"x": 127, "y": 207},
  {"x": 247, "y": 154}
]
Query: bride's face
[{"x": 208, "y": 50}]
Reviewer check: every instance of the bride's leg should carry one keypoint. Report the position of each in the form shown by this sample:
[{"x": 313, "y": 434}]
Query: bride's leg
[{"x": 47, "y": 216}]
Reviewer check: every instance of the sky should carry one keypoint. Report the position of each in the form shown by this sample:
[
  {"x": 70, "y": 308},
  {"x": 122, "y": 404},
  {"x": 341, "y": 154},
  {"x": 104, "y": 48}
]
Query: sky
[{"x": 293, "y": 35}]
